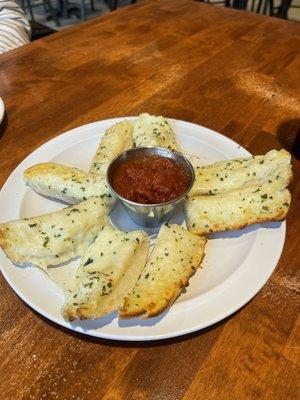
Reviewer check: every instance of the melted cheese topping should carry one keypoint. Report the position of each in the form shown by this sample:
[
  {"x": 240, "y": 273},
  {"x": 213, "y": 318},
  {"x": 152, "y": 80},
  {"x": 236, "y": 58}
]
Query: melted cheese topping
[
  {"x": 53, "y": 238},
  {"x": 66, "y": 184},
  {"x": 175, "y": 257},
  {"x": 116, "y": 139},
  {"x": 237, "y": 209},
  {"x": 150, "y": 130},
  {"x": 236, "y": 193},
  {"x": 107, "y": 272},
  {"x": 229, "y": 175}
]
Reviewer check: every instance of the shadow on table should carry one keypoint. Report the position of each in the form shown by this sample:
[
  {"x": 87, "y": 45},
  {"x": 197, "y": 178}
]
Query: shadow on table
[
  {"x": 243, "y": 231},
  {"x": 288, "y": 134},
  {"x": 138, "y": 344},
  {"x": 3, "y": 125},
  {"x": 102, "y": 322}
]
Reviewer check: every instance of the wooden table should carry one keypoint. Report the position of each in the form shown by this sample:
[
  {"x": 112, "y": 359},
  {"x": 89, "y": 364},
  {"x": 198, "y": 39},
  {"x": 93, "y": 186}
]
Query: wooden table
[{"x": 234, "y": 72}]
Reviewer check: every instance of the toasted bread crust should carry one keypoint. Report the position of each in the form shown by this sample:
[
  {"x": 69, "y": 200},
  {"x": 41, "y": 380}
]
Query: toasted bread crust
[
  {"x": 107, "y": 272},
  {"x": 66, "y": 184},
  {"x": 228, "y": 175},
  {"x": 152, "y": 309},
  {"x": 186, "y": 252},
  {"x": 151, "y": 130},
  {"x": 53, "y": 238},
  {"x": 228, "y": 212},
  {"x": 232, "y": 194},
  {"x": 116, "y": 139},
  {"x": 200, "y": 232}
]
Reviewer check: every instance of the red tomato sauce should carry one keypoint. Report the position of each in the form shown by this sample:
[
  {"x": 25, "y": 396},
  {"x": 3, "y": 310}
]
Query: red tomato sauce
[{"x": 150, "y": 180}]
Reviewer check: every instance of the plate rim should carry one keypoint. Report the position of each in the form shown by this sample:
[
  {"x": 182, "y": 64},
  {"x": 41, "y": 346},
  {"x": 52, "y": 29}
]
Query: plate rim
[
  {"x": 2, "y": 110},
  {"x": 143, "y": 337}
]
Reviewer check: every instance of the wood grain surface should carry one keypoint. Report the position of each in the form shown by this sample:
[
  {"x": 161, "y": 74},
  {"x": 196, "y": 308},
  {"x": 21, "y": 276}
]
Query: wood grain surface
[{"x": 235, "y": 72}]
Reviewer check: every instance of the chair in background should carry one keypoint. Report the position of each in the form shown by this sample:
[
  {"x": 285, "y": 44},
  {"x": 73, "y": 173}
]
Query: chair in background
[
  {"x": 69, "y": 8},
  {"x": 265, "y": 7},
  {"x": 225, "y": 2},
  {"x": 282, "y": 10},
  {"x": 83, "y": 11},
  {"x": 113, "y": 4},
  {"x": 31, "y": 4}
]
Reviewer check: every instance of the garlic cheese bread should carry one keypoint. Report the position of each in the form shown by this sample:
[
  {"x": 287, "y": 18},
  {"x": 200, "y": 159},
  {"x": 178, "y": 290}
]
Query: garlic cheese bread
[
  {"x": 65, "y": 183},
  {"x": 116, "y": 139},
  {"x": 232, "y": 194},
  {"x": 176, "y": 255},
  {"x": 224, "y": 176},
  {"x": 237, "y": 209},
  {"x": 54, "y": 238},
  {"x": 108, "y": 271},
  {"x": 150, "y": 130}
]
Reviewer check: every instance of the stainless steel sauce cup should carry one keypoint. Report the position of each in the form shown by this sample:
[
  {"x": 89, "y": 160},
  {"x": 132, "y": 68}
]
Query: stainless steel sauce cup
[{"x": 150, "y": 215}]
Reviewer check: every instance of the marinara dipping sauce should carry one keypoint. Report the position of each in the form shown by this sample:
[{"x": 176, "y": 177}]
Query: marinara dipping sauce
[{"x": 150, "y": 179}]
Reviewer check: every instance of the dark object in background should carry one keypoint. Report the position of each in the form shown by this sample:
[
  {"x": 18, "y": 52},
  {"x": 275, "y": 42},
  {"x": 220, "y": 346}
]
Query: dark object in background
[
  {"x": 288, "y": 134},
  {"x": 113, "y": 4},
  {"x": 282, "y": 11},
  {"x": 265, "y": 7},
  {"x": 30, "y": 5},
  {"x": 38, "y": 30},
  {"x": 296, "y": 145}
]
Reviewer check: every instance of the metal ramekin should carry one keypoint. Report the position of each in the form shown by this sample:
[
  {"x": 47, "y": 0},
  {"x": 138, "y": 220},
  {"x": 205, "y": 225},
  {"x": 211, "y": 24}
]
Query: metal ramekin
[{"x": 150, "y": 215}]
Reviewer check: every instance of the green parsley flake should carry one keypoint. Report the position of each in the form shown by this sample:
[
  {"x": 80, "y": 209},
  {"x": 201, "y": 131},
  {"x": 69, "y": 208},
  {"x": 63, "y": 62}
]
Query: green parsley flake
[
  {"x": 46, "y": 241},
  {"x": 88, "y": 261}
]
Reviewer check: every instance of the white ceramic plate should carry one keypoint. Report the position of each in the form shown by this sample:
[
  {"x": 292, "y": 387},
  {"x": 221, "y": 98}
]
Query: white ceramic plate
[
  {"x": 236, "y": 265},
  {"x": 2, "y": 110}
]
